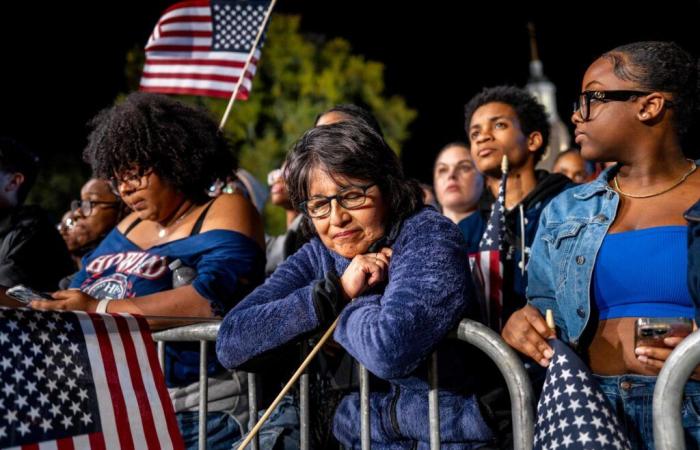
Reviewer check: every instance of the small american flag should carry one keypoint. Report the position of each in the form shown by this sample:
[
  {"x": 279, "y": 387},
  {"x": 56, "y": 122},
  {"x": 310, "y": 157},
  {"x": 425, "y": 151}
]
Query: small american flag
[
  {"x": 200, "y": 48},
  {"x": 572, "y": 412},
  {"x": 487, "y": 264},
  {"x": 74, "y": 380}
]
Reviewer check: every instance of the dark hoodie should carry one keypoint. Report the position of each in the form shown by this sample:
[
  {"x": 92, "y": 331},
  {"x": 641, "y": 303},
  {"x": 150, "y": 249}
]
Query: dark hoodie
[{"x": 517, "y": 239}]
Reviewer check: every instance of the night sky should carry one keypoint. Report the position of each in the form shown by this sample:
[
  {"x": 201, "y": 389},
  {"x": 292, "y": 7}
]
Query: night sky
[{"x": 63, "y": 62}]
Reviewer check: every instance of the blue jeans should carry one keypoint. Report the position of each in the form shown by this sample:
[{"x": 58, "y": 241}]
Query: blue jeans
[
  {"x": 631, "y": 399},
  {"x": 281, "y": 430},
  {"x": 222, "y": 429}
]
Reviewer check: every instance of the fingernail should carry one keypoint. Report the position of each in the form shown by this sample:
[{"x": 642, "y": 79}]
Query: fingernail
[
  {"x": 642, "y": 358},
  {"x": 548, "y": 353},
  {"x": 640, "y": 350},
  {"x": 544, "y": 362}
]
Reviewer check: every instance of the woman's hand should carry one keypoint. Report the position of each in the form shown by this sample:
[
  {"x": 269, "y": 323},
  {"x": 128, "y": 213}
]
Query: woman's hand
[
  {"x": 527, "y": 332},
  {"x": 653, "y": 357},
  {"x": 364, "y": 272},
  {"x": 70, "y": 300}
]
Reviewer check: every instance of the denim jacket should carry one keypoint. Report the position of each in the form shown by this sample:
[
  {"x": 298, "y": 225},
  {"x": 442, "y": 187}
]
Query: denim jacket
[
  {"x": 693, "y": 217},
  {"x": 571, "y": 231}
]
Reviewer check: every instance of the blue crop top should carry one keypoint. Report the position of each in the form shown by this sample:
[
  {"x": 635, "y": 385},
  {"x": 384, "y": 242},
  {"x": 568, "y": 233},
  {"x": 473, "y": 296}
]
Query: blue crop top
[{"x": 642, "y": 273}]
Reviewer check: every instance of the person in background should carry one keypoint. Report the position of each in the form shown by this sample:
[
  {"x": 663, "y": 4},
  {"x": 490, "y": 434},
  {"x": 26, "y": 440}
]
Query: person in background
[
  {"x": 179, "y": 253},
  {"x": 616, "y": 249},
  {"x": 31, "y": 249},
  {"x": 573, "y": 166},
  {"x": 509, "y": 121},
  {"x": 279, "y": 248},
  {"x": 458, "y": 185}
]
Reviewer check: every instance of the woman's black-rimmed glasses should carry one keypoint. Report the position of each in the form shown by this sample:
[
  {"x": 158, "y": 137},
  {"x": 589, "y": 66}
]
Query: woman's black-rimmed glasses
[
  {"x": 583, "y": 105},
  {"x": 352, "y": 197}
]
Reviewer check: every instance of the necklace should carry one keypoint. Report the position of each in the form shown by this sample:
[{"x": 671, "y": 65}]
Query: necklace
[
  {"x": 164, "y": 230},
  {"x": 693, "y": 167}
]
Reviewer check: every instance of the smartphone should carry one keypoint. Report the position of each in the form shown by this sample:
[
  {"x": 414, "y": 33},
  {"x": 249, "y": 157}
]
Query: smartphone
[
  {"x": 651, "y": 331},
  {"x": 25, "y": 295}
]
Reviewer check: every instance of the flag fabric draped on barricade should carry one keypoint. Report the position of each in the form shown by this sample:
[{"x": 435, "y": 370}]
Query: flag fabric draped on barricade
[
  {"x": 201, "y": 47},
  {"x": 74, "y": 380},
  {"x": 572, "y": 412},
  {"x": 487, "y": 262}
]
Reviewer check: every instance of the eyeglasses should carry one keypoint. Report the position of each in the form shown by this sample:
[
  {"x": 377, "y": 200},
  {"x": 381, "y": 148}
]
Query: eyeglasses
[
  {"x": 66, "y": 224},
  {"x": 352, "y": 197},
  {"x": 583, "y": 105},
  {"x": 135, "y": 179},
  {"x": 274, "y": 176},
  {"x": 86, "y": 206}
]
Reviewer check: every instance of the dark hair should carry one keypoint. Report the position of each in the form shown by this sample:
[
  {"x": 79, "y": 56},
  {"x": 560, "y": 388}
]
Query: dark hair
[
  {"x": 448, "y": 146},
  {"x": 531, "y": 114},
  {"x": 354, "y": 112},
  {"x": 663, "y": 67},
  {"x": 15, "y": 157},
  {"x": 354, "y": 150},
  {"x": 180, "y": 143}
]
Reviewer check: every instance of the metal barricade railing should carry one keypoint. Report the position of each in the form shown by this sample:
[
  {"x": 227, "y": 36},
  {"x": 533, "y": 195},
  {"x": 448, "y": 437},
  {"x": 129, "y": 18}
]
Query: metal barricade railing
[
  {"x": 668, "y": 393},
  {"x": 469, "y": 331}
]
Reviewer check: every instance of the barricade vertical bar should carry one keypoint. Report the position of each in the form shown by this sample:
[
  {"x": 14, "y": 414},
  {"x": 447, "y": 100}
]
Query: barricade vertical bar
[
  {"x": 364, "y": 408},
  {"x": 253, "y": 407},
  {"x": 434, "y": 404},
  {"x": 668, "y": 393},
  {"x": 161, "y": 354},
  {"x": 508, "y": 362},
  {"x": 203, "y": 395},
  {"x": 304, "y": 403}
]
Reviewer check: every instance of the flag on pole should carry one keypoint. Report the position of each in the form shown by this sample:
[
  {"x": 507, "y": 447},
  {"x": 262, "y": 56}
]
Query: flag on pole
[
  {"x": 74, "y": 380},
  {"x": 573, "y": 413},
  {"x": 200, "y": 47},
  {"x": 487, "y": 263}
]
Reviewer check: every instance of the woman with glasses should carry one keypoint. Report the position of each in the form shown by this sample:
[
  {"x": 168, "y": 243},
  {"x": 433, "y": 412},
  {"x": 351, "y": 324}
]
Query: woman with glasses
[
  {"x": 394, "y": 272},
  {"x": 615, "y": 250},
  {"x": 179, "y": 253}
]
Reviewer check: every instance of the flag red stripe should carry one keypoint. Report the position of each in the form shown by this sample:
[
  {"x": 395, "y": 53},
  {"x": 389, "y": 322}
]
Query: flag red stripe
[
  {"x": 159, "y": 379},
  {"x": 200, "y": 19},
  {"x": 149, "y": 428},
  {"x": 115, "y": 390},
  {"x": 65, "y": 444},
  {"x": 198, "y": 62},
  {"x": 97, "y": 441},
  {"x": 242, "y": 93},
  {"x": 30, "y": 447},
  {"x": 185, "y": 33},
  {"x": 189, "y": 4},
  {"x": 195, "y": 76},
  {"x": 178, "y": 48},
  {"x": 496, "y": 282}
]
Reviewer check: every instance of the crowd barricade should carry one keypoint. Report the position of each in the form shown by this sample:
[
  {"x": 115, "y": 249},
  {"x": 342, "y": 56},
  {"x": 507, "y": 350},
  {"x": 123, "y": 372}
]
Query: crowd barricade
[
  {"x": 472, "y": 332},
  {"x": 668, "y": 393}
]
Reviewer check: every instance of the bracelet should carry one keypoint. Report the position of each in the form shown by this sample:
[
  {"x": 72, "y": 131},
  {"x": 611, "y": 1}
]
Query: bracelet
[{"x": 102, "y": 306}]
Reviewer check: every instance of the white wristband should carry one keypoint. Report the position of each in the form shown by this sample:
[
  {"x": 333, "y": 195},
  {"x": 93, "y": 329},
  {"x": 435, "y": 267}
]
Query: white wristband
[{"x": 102, "y": 306}]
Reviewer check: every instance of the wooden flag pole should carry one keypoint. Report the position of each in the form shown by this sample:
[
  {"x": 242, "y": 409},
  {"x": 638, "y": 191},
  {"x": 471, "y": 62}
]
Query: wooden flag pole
[
  {"x": 239, "y": 83},
  {"x": 289, "y": 384}
]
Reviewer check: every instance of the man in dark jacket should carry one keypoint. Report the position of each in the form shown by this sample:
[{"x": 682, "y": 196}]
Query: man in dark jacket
[
  {"x": 31, "y": 250},
  {"x": 507, "y": 120}
]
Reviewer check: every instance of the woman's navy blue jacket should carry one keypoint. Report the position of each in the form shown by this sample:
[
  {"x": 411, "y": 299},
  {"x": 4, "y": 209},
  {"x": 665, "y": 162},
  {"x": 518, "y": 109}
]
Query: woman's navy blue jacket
[
  {"x": 390, "y": 330},
  {"x": 693, "y": 216}
]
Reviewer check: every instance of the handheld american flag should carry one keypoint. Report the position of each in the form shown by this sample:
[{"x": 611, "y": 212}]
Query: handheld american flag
[
  {"x": 200, "y": 47},
  {"x": 487, "y": 263},
  {"x": 572, "y": 412},
  {"x": 74, "y": 380}
]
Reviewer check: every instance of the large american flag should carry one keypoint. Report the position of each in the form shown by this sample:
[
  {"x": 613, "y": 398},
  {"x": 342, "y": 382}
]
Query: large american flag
[
  {"x": 487, "y": 264},
  {"x": 74, "y": 380},
  {"x": 573, "y": 413},
  {"x": 200, "y": 47}
]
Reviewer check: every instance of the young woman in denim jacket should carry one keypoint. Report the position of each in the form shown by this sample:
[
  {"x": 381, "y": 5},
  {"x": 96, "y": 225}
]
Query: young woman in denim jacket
[{"x": 615, "y": 249}]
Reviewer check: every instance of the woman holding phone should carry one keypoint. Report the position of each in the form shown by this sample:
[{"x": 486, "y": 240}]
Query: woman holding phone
[{"x": 615, "y": 250}]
